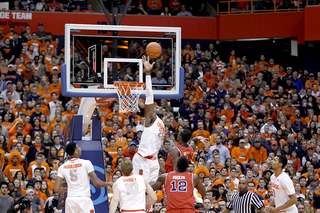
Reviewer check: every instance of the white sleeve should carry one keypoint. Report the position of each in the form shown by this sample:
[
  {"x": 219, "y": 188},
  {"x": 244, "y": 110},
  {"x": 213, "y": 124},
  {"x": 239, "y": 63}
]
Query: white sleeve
[
  {"x": 60, "y": 172},
  {"x": 287, "y": 185},
  {"x": 89, "y": 166}
]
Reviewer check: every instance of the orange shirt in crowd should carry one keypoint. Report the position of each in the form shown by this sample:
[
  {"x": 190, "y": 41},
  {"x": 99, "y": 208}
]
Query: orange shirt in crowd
[
  {"x": 56, "y": 89},
  {"x": 10, "y": 170},
  {"x": 262, "y": 193},
  {"x": 242, "y": 155},
  {"x": 229, "y": 114},
  {"x": 310, "y": 83},
  {"x": 260, "y": 155},
  {"x": 112, "y": 152},
  {"x": 121, "y": 142},
  {"x": 36, "y": 45}
]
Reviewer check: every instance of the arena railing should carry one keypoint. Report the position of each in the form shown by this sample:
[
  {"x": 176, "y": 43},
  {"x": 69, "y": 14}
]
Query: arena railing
[{"x": 299, "y": 7}]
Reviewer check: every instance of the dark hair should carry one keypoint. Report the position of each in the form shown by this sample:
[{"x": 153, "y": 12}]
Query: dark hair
[
  {"x": 283, "y": 160},
  {"x": 70, "y": 148},
  {"x": 4, "y": 145},
  {"x": 3, "y": 183},
  {"x": 206, "y": 177},
  {"x": 36, "y": 169},
  {"x": 223, "y": 168},
  {"x": 226, "y": 180},
  {"x": 302, "y": 177},
  {"x": 215, "y": 193},
  {"x": 118, "y": 161},
  {"x": 185, "y": 135},
  {"x": 252, "y": 159},
  {"x": 251, "y": 182},
  {"x": 182, "y": 163},
  {"x": 16, "y": 174}
]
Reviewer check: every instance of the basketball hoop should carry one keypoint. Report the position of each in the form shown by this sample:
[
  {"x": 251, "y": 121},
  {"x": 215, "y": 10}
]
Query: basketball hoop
[{"x": 129, "y": 93}]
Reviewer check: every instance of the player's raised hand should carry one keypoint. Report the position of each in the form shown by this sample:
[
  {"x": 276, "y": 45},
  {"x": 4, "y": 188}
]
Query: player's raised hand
[
  {"x": 146, "y": 64},
  {"x": 199, "y": 139},
  {"x": 203, "y": 140}
]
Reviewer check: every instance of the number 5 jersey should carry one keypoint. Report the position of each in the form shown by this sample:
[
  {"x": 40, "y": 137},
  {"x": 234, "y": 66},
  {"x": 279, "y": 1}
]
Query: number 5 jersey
[{"x": 76, "y": 171}]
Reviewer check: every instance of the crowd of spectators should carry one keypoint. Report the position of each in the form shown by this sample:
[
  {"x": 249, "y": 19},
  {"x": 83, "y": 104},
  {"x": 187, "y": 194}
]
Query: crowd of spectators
[
  {"x": 249, "y": 113},
  {"x": 145, "y": 7}
]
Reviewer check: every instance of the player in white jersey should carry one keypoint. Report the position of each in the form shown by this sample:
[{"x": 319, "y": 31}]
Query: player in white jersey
[
  {"x": 145, "y": 161},
  {"x": 77, "y": 173},
  {"x": 131, "y": 189},
  {"x": 283, "y": 190}
]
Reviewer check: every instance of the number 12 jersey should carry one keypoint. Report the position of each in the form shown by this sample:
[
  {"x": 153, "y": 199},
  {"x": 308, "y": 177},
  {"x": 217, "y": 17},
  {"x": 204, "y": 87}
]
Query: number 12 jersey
[{"x": 178, "y": 190}]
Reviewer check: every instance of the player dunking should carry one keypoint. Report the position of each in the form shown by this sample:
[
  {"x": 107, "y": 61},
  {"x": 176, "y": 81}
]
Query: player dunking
[
  {"x": 131, "y": 189},
  {"x": 145, "y": 161},
  {"x": 283, "y": 190},
  {"x": 178, "y": 188},
  {"x": 77, "y": 173}
]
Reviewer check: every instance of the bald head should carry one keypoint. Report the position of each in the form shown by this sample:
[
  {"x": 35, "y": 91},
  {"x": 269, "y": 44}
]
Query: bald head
[{"x": 243, "y": 185}]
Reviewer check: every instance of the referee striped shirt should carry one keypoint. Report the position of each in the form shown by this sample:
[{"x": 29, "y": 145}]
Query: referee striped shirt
[{"x": 244, "y": 203}]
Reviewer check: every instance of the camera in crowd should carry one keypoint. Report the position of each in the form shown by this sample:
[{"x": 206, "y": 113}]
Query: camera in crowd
[{"x": 22, "y": 204}]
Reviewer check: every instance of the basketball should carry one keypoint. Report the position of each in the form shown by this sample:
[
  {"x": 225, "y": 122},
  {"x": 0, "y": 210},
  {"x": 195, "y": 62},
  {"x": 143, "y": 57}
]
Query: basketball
[{"x": 153, "y": 50}]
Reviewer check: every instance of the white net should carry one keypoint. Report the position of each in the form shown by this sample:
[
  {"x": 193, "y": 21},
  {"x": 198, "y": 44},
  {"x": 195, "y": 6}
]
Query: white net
[{"x": 129, "y": 94}]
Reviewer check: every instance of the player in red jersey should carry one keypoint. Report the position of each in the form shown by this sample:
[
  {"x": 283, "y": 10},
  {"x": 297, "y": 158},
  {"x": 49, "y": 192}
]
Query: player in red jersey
[
  {"x": 178, "y": 188},
  {"x": 182, "y": 149}
]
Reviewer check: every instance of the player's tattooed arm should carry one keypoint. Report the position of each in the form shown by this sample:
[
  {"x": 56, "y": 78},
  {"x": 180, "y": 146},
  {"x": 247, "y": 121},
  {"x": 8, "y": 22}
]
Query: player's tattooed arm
[
  {"x": 96, "y": 181},
  {"x": 161, "y": 180}
]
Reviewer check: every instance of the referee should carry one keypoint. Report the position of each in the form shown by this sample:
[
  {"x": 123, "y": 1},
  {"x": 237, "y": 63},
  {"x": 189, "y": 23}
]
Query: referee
[{"x": 244, "y": 201}]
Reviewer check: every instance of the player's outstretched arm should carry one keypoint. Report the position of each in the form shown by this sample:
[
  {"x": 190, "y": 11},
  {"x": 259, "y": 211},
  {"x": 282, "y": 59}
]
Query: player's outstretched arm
[
  {"x": 57, "y": 186},
  {"x": 150, "y": 192},
  {"x": 198, "y": 185},
  {"x": 96, "y": 181},
  {"x": 161, "y": 180},
  {"x": 115, "y": 198},
  {"x": 175, "y": 154},
  {"x": 149, "y": 106}
]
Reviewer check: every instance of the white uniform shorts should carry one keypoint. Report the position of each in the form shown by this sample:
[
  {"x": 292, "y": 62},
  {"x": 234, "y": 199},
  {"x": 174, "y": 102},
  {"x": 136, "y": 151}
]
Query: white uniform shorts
[
  {"x": 79, "y": 205},
  {"x": 148, "y": 168},
  {"x": 293, "y": 210}
]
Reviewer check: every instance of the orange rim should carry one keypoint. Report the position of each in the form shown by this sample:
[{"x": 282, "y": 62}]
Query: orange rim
[
  {"x": 123, "y": 87},
  {"x": 105, "y": 100}
]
